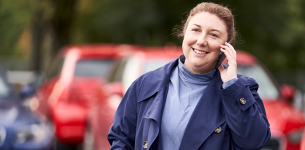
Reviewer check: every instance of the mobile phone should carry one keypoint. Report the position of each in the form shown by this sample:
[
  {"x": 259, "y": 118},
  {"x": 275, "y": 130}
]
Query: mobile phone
[{"x": 221, "y": 57}]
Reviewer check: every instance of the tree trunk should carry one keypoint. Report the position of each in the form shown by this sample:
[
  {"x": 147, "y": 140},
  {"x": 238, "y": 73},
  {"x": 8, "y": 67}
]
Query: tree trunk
[{"x": 49, "y": 34}]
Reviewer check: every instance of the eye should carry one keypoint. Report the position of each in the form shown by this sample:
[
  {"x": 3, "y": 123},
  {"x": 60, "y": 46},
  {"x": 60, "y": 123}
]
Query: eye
[
  {"x": 214, "y": 35},
  {"x": 196, "y": 30}
]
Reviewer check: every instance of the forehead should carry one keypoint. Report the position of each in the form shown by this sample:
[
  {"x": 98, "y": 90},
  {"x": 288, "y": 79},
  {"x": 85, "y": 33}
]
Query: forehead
[{"x": 208, "y": 20}]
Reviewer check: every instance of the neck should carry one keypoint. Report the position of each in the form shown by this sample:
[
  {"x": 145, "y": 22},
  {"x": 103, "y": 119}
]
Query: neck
[{"x": 198, "y": 70}]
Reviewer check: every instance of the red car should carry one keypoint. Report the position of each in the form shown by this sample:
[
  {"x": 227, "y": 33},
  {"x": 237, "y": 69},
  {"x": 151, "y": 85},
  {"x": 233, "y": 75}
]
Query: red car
[
  {"x": 126, "y": 71},
  {"x": 286, "y": 121},
  {"x": 74, "y": 80}
]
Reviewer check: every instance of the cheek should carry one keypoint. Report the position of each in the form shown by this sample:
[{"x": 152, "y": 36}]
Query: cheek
[
  {"x": 215, "y": 46},
  {"x": 189, "y": 39},
  {"x": 185, "y": 49},
  {"x": 186, "y": 44}
]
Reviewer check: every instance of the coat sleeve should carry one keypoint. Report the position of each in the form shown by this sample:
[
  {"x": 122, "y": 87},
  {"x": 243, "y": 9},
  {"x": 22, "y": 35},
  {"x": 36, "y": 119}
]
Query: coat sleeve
[
  {"x": 122, "y": 132},
  {"x": 245, "y": 114}
]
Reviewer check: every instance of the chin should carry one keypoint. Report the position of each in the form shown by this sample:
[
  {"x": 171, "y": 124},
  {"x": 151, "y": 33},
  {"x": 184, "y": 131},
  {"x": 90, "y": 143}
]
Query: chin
[{"x": 202, "y": 69}]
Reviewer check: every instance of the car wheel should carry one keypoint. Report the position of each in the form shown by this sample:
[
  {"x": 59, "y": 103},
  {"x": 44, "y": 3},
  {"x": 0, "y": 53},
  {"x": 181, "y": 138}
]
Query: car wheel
[{"x": 88, "y": 143}]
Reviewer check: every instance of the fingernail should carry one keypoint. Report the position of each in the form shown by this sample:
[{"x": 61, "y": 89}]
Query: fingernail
[{"x": 223, "y": 49}]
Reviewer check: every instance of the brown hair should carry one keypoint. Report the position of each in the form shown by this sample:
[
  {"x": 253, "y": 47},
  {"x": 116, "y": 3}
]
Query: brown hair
[{"x": 221, "y": 11}]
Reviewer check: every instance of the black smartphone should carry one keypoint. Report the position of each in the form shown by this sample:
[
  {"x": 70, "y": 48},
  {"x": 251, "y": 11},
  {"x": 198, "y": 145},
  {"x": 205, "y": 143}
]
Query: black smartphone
[{"x": 221, "y": 57}]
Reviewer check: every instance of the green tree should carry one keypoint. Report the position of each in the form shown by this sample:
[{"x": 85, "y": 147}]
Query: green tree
[
  {"x": 12, "y": 24},
  {"x": 271, "y": 30}
]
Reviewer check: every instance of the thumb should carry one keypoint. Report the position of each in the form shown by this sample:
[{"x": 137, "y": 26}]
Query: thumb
[{"x": 221, "y": 68}]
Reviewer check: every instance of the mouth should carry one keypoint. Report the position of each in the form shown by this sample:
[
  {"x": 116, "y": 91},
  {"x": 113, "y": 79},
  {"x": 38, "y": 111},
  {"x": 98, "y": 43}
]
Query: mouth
[{"x": 199, "y": 51}]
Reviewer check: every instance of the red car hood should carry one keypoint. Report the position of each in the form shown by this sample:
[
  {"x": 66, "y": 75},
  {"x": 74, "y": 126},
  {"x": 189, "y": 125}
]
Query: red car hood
[
  {"x": 80, "y": 90},
  {"x": 282, "y": 116}
]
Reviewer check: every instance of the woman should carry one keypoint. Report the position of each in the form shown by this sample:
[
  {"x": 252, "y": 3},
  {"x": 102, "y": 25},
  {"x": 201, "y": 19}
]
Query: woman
[{"x": 188, "y": 104}]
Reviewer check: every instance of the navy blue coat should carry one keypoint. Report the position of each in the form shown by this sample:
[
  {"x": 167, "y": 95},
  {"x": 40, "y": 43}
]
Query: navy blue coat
[{"x": 136, "y": 124}]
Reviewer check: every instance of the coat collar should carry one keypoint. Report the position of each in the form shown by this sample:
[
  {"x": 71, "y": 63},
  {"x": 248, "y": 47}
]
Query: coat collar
[{"x": 157, "y": 80}]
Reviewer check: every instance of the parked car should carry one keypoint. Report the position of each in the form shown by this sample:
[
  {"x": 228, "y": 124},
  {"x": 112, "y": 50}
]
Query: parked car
[
  {"x": 20, "y": 128},
  {"x": 72, "y": 82},
  {"x": 127, "y": 69},
  {"x": 286, "y": 121}
]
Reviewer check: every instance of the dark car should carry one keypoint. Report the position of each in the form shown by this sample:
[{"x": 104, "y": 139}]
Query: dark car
[{"x": 19, "y": 127}]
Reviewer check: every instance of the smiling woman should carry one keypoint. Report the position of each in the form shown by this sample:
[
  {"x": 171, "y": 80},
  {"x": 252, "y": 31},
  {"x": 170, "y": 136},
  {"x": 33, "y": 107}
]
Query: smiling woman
[
  {"x": 189, "y": 104},
  {"x": 202, "y": 40}
]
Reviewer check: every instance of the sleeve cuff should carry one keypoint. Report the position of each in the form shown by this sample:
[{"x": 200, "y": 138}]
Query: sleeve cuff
[
  {"x": 238, "y": 96},
  {"x": 229, "y": 83}
]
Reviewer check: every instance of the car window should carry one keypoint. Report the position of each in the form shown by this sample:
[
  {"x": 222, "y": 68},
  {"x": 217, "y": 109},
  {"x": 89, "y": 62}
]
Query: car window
[
  {"x": 92, "y": 67},
  {"x": 132, "y": 67},
  {"x": 151, "y": 65},
  {"x": 116, "y": 73},
  {"x": 267, "y": 88}
]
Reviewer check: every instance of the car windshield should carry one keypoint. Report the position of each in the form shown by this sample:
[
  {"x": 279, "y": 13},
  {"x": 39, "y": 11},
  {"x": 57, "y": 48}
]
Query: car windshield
[
  {"x": 151, "y": 65},
  {"x": 267, "y": 89},
  {"x": 92, "y": 67}
]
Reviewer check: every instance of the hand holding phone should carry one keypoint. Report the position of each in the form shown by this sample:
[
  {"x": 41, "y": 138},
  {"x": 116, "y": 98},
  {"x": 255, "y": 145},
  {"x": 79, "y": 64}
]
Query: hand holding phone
[{"x": 221, "y": 57}]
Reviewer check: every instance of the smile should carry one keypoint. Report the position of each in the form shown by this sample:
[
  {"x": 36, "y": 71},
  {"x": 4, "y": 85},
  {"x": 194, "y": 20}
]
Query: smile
[{"x": 198, "y": 51}]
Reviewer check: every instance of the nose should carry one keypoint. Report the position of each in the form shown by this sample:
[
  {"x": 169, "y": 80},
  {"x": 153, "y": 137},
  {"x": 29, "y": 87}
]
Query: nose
[{"x": 202, "y": 41}]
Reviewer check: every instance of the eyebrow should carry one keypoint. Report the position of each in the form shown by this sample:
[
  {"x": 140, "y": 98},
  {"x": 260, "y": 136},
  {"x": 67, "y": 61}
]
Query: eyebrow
[
  {"x": 216, "y": 31},
  {"x": 197, "y": 25}
]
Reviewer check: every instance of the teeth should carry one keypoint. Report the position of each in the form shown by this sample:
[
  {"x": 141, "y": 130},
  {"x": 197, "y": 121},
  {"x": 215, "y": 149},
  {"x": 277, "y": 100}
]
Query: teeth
[{"x": 199, "y": 52}]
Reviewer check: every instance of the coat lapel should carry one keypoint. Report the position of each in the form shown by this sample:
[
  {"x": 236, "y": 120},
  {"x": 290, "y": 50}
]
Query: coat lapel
[
  {"x": 154, "y": 114},
  {"x": 207, "y": 116},
  {"x": 159, "y": 87}
]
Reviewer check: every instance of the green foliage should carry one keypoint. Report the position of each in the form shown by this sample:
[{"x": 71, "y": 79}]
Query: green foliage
[
  {"x": 13, "y": 20},
  {"x": 271, "y": 30}
]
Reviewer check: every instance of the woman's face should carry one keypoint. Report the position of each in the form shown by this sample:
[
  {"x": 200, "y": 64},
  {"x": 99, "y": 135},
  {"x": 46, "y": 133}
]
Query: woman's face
[{"x": 201, "y": 44}]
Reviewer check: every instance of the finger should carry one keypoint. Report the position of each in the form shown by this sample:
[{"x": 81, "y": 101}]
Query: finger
[
  {"x": 231, "y": 58},
  {"x": 231, "y": 47},
  {"x": 225, "y": 52},
  {"x": 228, "y": 49}
]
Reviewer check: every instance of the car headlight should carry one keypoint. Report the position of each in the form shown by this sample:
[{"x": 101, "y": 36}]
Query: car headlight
[
  {"x": 295, "y": 136},
  {"x": 33, "y": 133}
]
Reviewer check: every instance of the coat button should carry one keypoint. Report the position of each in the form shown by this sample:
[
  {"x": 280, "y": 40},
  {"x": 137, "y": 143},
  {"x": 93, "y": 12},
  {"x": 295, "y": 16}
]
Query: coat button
[
  {"x": 218, "y": 130},
  {"x": 145, "y": 144},
  {"x": 243, "y": 101}
]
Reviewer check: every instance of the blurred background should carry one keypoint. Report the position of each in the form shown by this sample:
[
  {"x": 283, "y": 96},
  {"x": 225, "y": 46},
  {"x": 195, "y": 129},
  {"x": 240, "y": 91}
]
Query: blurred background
[{"x": 32, "y": 31}]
